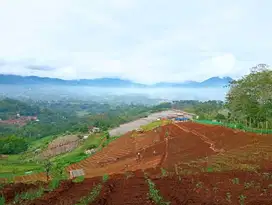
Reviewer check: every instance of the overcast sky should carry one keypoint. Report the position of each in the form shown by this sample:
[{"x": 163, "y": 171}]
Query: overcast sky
[{"x": 146, "y": 41}]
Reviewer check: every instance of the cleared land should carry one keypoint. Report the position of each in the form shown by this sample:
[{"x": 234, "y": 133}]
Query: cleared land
[
  {"x": 124, "y": 128},
  {"x": 187, "y": 163}
]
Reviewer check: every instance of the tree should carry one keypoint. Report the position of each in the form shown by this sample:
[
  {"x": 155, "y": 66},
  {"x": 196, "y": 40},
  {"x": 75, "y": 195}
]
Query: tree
[
  {"x": 12, "y": 145},
  {"x": 47, "y": 167},
  {"x": 220, "y": 117},
  {"x": 249, "y": 99},
  {"x": 107, "y": 134}
]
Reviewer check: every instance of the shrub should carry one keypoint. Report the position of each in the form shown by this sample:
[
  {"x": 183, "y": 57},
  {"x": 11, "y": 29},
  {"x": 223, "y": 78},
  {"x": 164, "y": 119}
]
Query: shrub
[{"x": 2, "y": 200}]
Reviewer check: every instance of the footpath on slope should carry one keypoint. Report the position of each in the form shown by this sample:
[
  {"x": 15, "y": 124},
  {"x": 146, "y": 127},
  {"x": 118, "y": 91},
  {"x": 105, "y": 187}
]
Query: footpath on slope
[{"x": 203, "y": 137}]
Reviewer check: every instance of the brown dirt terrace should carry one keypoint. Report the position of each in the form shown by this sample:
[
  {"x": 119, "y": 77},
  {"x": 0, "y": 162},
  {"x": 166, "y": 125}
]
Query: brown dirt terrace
[{"x": 189, "y": 163}]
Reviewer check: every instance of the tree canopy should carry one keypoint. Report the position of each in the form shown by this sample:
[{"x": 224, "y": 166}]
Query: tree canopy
[
  {"x": 12, "y": 145},
  {"x": 249, "y": 99}
]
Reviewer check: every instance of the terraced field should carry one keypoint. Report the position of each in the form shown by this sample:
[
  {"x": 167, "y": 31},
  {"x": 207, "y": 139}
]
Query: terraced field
[{"x": 188, "y": 163}]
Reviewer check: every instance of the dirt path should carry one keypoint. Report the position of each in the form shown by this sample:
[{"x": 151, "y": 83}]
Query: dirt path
[{"x": 203, "y": 137}]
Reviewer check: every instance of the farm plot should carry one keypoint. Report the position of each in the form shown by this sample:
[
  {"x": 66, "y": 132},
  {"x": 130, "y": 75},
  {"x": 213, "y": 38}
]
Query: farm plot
[
  {"x": 117, "y": 150},
  {"x": 223, "y": 137},
  {"x": 61, "y": 145},
  {"x": 69, "y": 193},
  {"x": 122, "y": 190},
  {"x": 9, "y": 191},
  {"x": 184, "y": 146},
  {"x": 217, "y": 188}
]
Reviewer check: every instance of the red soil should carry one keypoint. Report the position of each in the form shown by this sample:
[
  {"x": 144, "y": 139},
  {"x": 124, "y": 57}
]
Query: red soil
[
  {"x": 68, "y": 193},
  {"x": 173, "y": 144},
  {"x": 120, "y": 190},
  {"x": 223, "y": 137},
  {"x": 9, "y": 191},
  {"x": 213, "y": 188}
]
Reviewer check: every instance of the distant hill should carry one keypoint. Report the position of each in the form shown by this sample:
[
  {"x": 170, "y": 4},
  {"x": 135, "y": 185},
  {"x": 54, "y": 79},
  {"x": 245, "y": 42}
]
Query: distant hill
[
  {"x": 211, "y": 82},
  {"x": 99, "y": 82},
  {"x": 106, "y": 82}
]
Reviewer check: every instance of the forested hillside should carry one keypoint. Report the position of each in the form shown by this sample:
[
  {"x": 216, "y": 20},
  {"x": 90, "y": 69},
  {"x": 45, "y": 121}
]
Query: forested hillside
[
  {"x": 9, "y": 108},
  {"x": 73, "y": 116},
  {"x": 209, "y": 110}
]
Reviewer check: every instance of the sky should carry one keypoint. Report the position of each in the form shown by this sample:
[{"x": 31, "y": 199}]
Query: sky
[{"x": 146, "y": 41}]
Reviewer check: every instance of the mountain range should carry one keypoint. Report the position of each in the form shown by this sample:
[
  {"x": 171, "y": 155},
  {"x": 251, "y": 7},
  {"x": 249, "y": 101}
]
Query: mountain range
[{"x": 107, "y": 82}]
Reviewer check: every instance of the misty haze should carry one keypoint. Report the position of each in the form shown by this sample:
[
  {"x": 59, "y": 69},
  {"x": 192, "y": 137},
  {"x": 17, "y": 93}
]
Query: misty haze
[{"x": 42, "y": 92}]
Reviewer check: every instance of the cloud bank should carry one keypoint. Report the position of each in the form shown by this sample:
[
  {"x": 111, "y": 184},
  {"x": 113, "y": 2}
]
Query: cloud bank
[{"x": 143, "y": 41}]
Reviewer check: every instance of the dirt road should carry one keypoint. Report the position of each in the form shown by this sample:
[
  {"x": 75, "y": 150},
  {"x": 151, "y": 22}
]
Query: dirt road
[{"x": 124, "y": 128}]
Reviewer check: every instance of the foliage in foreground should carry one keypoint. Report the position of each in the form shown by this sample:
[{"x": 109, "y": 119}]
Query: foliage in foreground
[
  {"x": 94, "y": 192},
  {"x": 2, "y": 200},
  {"x": 154, "y": 194},
  {"x": 79, "y": 179},
  {"x": 91, "y": 196},
  {"x": 29, "y": 195}
]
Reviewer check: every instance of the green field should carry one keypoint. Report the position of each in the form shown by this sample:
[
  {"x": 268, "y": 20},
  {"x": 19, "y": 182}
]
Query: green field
[
  {"x": 16, "y": 165},
  {"x": 154, "y": 124}
]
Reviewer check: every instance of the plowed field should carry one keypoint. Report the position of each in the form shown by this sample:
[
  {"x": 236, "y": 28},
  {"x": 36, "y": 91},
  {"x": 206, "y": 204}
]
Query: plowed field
[{"x": 205, "y": 164}]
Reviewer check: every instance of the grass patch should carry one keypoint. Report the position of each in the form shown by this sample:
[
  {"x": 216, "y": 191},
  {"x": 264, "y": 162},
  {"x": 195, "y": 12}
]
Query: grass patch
[
  {"x": 2, "y": 200},
  {"x": 164, "y": 172},
  {"x": 94, "y": 192},
  {"x": 91, "y": 196},
  {"x": 29, "y": 195},
  {"x": 108, "y": 141},
  {"x": 15, "y": 164},
  {"x": 154, "y": 194},
  {"x": 79, "y": 179},
  {"x": 154, "y": 125},
  {"x": 105, "y": 178},
  {"x": 54, "y": 183},
  {"x": 78, "y": 154}
]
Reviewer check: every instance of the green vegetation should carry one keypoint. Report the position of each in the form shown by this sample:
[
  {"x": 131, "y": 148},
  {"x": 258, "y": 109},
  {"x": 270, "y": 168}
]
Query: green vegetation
[
  {"x": 54, "y": 183},
  {"x": 79, "y": 179},
  {"x": 249, "y": 99},
  {"x": 94, "y": 192},
  {"x": 12, "y": 145},
  {"x": 208, "y": 110},
  {"x": 91, "y": 196},
  {"x": 14, "y": 165},
  {"x": 242, "y": 199},
  {"x": 29, "y": 195},
  {"x": 164, "y": 172},
  {"x": 58, "y": 117},
  {"x": 105, "y": 177},
  {"x": 154, "y": 124},
  {"x": 154, "y": 194},
  {"x": 236, "y": 126},
  {"x": 2, "y": 200},
  {"x": 248, "y": 104},
  {"x": 93, "y": 141}
]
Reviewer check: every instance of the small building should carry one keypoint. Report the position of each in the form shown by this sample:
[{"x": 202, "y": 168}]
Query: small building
[
  {"x": 76, "y": 173},
  {"x": 182, "y": 119},
  {"x": 94, "y": 129}
]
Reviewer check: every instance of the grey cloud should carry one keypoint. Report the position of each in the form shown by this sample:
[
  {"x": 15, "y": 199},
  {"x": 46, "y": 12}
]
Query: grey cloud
[{"x": 40, "y": 67}]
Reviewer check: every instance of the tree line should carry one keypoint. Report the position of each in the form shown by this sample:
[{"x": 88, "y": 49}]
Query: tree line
[{"x": 249, "y": 99}]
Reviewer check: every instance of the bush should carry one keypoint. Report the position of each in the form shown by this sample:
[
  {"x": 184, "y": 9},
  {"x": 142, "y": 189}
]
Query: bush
[
  {"x": 92, "y": 146},
  {"x": 12, "y": 145}
]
